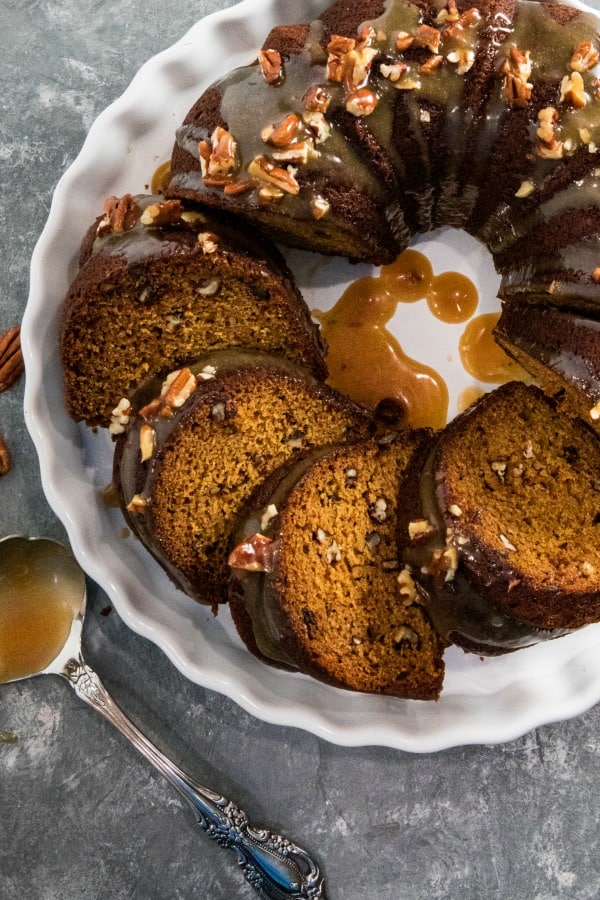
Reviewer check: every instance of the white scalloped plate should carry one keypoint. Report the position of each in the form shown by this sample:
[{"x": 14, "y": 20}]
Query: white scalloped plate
[{"x": 482, "y": 701}]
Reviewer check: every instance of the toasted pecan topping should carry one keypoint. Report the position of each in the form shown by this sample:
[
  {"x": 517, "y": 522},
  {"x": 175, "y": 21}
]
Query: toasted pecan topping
[
  {"x": 585, "y": 56},
  {"x": 120, "y": 214},
  {"x": 271, "y": 65},
  {"x": 516, "y": 69}
]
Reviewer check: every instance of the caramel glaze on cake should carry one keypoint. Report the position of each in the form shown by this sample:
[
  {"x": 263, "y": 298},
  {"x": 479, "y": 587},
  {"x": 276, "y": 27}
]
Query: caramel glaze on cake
[
  {"x": 315, "y": 573},
  {"x": 159, "y": 285},
  {"x": 374, "y": 133},
  {"x": 561, "y": 350},
  {"x": 199, "y": 442},
  {"x": 385, "y": 119},
  {"x": 501, "y": 523}
]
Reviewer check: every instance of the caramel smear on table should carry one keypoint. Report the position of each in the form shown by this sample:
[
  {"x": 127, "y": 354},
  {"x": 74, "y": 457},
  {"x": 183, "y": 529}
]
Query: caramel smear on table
[{"x": 482, "y": 357}]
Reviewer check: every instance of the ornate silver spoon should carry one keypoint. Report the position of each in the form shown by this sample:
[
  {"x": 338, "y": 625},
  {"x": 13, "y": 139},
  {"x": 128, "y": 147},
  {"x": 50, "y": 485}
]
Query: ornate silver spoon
[{"x": 42, "y": 607}]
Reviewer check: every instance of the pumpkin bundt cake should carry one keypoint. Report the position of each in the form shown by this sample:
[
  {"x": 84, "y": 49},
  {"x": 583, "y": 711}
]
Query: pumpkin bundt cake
[{"x": 561, "y": 350}]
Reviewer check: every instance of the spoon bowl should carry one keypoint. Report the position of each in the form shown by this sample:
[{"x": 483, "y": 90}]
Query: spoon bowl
[{"x": 42, "y": 609}]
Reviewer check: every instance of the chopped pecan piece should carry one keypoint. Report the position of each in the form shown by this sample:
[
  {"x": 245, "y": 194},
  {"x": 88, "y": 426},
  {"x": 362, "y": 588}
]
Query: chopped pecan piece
[
  {"x": 316, "y": 99},
  {"x": 177, "y": 387},
  {"x": 284, "y": 133},
  {"x": 458, "y": 26},
  {"x": 320, "y": 206},
  {"x": 119, "y": 418},
  {"x": 516, "y": 68},
  {"x": 147, "y": 441},
  {"x": 572, "y": 90},
  {"x": 298, "y": 153},
  {"x": 433, "y": 63},
  {"x": 549, "y": 146},
  {"x": 165, "y": 213},
  {"x": 120, "y": 214},
  {"x": 253, "y": 555},
  {"x": 394, "y": 71},
  {"x": 349, "y": 62},
  {"x": 271, "y": 65},
  {"x": 463, "y": 58},
  {"x": 448, "y": 14},
  {"x": 427, "y": 36},
  {"x": 585, "y": 56},
  {"x": 11, "y": 358},
  {"x": 265, "y": 170},
  {"x": 219, "y": 159},
  {"x": 362, "y": 102},
  {"x": 404, "y": 40}
]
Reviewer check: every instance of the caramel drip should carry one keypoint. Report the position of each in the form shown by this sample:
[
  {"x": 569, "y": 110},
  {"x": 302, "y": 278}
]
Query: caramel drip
[
  {"x": 161, "y": 177},
  {"x": 410, "y": 277},
  {"x": 469, "y": 396},
  {"x": 451, "y": 297},
  {"x": 482, "y": 357},
  {"x": 366, "y": 362}
]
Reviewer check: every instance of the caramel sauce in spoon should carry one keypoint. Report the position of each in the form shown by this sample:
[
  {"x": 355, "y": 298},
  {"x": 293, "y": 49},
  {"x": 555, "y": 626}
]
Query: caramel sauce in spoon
[{"x": 40, "y": 595}]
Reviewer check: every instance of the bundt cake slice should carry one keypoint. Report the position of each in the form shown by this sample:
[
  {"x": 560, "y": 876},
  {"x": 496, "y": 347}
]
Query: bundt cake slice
[
  {"x": 161, "y": 284},
  {"x": 195, "y": 446},
  {"x": 502, "y": 524},
  {"x": 315, "y": 573},
  {"x": 560, "y": 350}
]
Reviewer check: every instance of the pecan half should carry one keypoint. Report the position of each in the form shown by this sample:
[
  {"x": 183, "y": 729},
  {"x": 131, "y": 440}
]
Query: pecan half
[
  {"x": 266, "y": 170},
  {"x": 164, "y": 213},
  {"x": 11, "y": 358},
  {"x": 120, "y": 214}
]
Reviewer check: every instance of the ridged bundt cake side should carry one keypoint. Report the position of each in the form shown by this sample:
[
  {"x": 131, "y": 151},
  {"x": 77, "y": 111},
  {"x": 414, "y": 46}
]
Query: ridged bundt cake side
[{"x": 560, "y": 350}]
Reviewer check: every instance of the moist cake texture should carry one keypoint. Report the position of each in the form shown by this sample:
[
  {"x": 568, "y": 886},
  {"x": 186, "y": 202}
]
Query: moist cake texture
[
  {"x": 506, "y": 513},
  {"x": 315, "y": 573},
  {"x": 197, "y": 444}
]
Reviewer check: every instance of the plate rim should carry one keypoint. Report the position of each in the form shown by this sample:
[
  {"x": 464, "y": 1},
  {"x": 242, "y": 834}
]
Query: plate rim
[{"x": 287, "y": 709}]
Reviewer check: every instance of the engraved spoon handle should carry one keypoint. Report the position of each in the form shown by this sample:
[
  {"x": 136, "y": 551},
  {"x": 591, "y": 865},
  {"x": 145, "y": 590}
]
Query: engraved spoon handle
[{"x": 274, "y": 866}]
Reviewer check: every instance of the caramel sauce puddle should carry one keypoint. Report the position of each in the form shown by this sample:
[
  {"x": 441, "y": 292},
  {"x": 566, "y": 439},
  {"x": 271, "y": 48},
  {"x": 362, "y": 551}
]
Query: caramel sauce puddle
[{"x": 367, "y": 362}]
